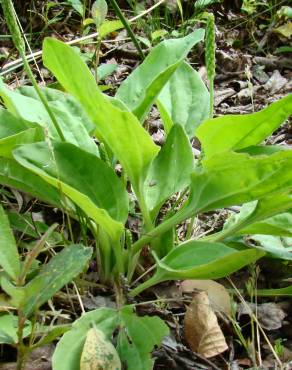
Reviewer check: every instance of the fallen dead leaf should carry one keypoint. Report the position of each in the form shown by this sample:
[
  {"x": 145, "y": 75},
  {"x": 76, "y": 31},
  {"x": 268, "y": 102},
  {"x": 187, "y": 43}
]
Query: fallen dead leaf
[
  {"x": 201, "y": 327},
  {"x": 270, "y": 315},
  {"x": 218, "y": 295}
]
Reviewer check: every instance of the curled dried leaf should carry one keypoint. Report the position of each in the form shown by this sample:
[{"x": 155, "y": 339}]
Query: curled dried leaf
[
  {"x": 202, "y": 330},
  {"x": 99, "y": 353},
  {"x": 217, "y": 293}
]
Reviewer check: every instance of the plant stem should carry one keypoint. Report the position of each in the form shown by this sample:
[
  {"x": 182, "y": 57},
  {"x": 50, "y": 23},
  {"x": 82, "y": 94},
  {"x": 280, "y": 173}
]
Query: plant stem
[
  {"x": 21, "y": 353},
  {"x": 128, "y": 28},
  {"x": 158, "y": 230},
  {"x": 211, "y": 92},
  {"x": 10, "y": 16},
  {"x": 147, "y": 284}
]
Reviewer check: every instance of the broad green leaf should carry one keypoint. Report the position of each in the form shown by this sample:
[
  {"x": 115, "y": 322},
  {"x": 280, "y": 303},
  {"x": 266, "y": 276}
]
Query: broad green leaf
[
  {"x": 11, "y": 125},
  {"x": 235, "y": 132},
  {"x": 71, "y": 344},
  {"x": 9, "y": 258},
  {"x": 15, "y": 131},
  {"x": 31, "y": 109},
  {"x": 26, "y": 108},
  {"x": 9, "y": 143},
  {"x": 14, "y": 175},
  {"x": 200, "y": 260},
  {"x": 120, "y": 130},
  {"x": 60, "y": 270},
  {"x": 9, "y": 329},
  {"x": 63, "y": 101},
  {"x": 279, "y": 225},
  {"x": 257, "y": 213},
  {"x": 231, "y": 179},
  {"x": 203, "y": 260},
  {"x": 184, "y": 100},
  {"x": 278, "y": 247},
  {"x": 84, "y": 178},
  {"x": 137, "y": 338},
  {"x": 170, "y": 171},
  {"x": 140, "y": 90}
]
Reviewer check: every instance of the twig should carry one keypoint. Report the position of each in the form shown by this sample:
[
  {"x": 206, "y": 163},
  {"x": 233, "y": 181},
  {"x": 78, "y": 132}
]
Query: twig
[{"x": 37, "y": 54}]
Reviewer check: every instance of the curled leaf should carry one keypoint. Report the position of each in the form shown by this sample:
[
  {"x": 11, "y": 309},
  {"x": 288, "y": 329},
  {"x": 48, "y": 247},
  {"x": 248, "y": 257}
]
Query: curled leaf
[
  {"x": 99, "y": 353},
  {"x": 202, "y": 330},
  {"x": 217, "y": 293}
]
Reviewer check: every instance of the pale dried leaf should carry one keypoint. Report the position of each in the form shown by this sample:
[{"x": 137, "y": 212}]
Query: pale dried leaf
[
  {"x": 202, "y": 330},
  {"x": 270, "y": 315},
  {"x": 217, "y": 293},
  {"x": 99, "y": 353}
]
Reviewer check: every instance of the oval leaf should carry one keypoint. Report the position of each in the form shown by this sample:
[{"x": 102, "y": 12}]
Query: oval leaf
[
  {"x": 99, "y": 353},
  {"x": 120, "y": 130},
  {"x": 71, "y": 344},
  {"x": 141, "y": 88},
  {"x": 101, "y": 196},
  {"x": 184, "y": 100},
  {"x": 170, "y": 171}
]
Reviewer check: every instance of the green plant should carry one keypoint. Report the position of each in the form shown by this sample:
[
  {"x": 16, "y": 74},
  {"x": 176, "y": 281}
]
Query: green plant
[
  {"x": 28, "y": 294},
  {"x": 79, "y": 177}
]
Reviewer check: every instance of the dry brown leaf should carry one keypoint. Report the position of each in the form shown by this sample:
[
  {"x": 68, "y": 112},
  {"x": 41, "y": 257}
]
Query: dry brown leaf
[
  {"x": 99, "y": 353},
  {"x": 218, "y": 295},
  {"x": 201, "y": 327}
]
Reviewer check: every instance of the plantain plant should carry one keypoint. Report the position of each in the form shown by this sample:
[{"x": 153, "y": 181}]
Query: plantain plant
[{"x": 168, "y": 184}]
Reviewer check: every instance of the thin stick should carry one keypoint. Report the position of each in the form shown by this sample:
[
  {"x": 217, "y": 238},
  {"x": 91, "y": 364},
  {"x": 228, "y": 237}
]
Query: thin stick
[{"x": 31, "y": 56}]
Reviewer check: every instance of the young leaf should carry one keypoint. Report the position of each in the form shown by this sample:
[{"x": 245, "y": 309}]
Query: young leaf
[
  {"x": 235, "y": 132},
  {"x": 71, "y": 344},
  {"x": 199, "y": 260},
  {"x": 71, "y": 169},
  {"x": 61, "y": 269},
  {"x": 99, "y": 12},
  {"x": 141, "y": 88},
  {"x": 137, "y": 338},
  {"x": 120, "y": 130},
  {"x": 170, "y": 171},
  {"x": 98, "y": 352},
  {"x": 184, "y": 100},
  {"x": 9, "y": 258}
]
